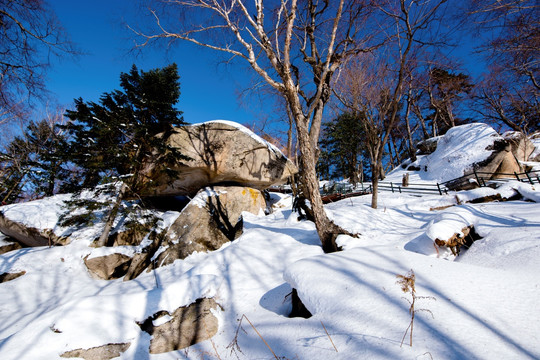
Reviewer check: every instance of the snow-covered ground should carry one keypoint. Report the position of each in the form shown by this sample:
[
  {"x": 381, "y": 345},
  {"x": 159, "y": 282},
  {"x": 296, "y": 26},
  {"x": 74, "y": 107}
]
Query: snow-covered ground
[{"x": 484, "y": 304}]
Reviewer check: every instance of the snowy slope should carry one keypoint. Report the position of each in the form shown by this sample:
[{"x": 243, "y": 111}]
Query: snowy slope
[
  {"x": 485, "y": 303},
  {"x": 456, "y": 151}
]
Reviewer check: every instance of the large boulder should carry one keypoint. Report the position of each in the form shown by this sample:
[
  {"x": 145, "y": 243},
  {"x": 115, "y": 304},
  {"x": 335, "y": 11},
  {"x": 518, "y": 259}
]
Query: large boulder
[
  {"x": 501, "y": 163},
  {"x": 219, "y": 152},
  {"x": 211, "y": 219},
  {"x": 428, "y": 146}
]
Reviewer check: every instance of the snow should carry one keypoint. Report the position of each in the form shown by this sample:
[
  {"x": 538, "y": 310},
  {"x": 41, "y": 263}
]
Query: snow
[
  {"x": 536, "y": 142},
  {"x": 482, "y": 304},
  {"x": 201, "y": 199},
  {"x": 246, "y": 131},
  {"x": 491, "y": 289}
]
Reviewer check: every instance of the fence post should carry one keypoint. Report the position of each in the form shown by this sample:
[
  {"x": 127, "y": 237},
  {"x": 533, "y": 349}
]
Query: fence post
[
  {"x": 477, "y": 178},
  {"x": 439, "y": 187},
  {"x": 528, "y": 177},
  {"x": 399, "y": 188},
  {"x": 392, "y": 186},
  {"x": 517, "y": 176}
]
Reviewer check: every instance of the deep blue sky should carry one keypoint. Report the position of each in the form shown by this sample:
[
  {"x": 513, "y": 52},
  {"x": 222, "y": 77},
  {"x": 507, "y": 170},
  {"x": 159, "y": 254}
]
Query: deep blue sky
[{"x": 209, "y": 89}]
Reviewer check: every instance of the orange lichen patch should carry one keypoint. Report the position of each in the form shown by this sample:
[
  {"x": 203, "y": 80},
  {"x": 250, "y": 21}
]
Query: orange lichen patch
[{"x": 253, "y": 193}]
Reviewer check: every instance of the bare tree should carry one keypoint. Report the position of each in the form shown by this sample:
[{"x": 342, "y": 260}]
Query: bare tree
[
  {"x": 374, "y": 86},
  {"x": 29, "y": 35},
  {"x": 295, "y": 47},
  {"x": 510, "y": 90}
]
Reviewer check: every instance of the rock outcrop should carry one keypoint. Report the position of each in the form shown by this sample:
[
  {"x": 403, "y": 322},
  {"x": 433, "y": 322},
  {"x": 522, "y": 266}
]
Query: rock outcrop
[
  {"x": 219, "y": 152},
  {"x": 210, "y": 220},
  {"x": 7, "y": 245},
  {"x": 521, "y": 146},
  {"x": 5, "y": 277},
  {"x": 184, "y": 327},
  {"x": 427, "y": 146},
  {"x": 501, "y": 163},
  {"x": 27, "y": 235},
  {"x": 454, "y": 157},
  {"x": 465, "y": 238}
]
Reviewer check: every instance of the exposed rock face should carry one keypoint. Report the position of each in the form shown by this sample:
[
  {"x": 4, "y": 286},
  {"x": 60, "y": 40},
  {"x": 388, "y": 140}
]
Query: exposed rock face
[
  {"x": 104, "y": 352},
  {"x": 5, "y": 277},
  {"x": 27, "y": 235},
  {"x": 428, "y": 146},
  {"x": 501, "y": 162},
  {"x": 220, "y": 153},
  {"x": 186, "y": 326},
  {"x": 465, "y": 237},
  {"x": 127, "y": 237},
  {"x": 108, "y": 267},
  {"x": 521, "y": 146},
  {"x": 210, "y": 220},
  {"x": 7, "y": 246}
]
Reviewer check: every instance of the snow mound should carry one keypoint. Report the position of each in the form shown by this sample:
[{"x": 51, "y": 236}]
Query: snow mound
[
  {"x": 457, "y": 150},
  {"x": 450, "y": 222}
]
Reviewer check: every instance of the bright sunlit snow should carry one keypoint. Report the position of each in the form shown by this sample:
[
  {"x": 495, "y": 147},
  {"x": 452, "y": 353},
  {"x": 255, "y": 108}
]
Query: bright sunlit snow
[{"x": 483, "y": 304}]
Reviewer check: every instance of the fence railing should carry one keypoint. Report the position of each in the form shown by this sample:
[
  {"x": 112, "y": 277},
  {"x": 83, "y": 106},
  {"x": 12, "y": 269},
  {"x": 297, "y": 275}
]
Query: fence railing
[
  {"x": 483, "y": 178},
  {"x": 328, "y": 197},
  {"x": 418, "y": 189},
  {"x": 477, "y": 177}
]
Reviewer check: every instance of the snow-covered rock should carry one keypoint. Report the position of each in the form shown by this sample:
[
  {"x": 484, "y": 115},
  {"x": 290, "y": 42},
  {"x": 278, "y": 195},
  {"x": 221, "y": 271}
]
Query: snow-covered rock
[
  {"x": 210, "y": 220},
  {"x": 461, "y": 150}
]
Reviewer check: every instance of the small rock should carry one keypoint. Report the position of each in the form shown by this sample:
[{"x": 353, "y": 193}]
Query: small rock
[
  {"x": 5, "y": 277},
  {"x": 104, "y": 352},
  {"x": 108, "y": 267}
]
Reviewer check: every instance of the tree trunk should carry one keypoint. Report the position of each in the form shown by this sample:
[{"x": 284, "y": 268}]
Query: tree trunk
[
  {"x": 375, "y": 171},
  {"x": 412, "y": 150},
  {"x": 112, "y": 215},
  {"x": 326, "y": 229},
  {"x": 390, "y": 153}
]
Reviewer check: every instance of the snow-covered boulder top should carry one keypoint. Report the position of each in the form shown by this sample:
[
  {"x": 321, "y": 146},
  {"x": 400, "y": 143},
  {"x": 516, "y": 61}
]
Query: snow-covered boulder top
[
  {"x": 219, "y": 152},
  {"x": 535, "y": 140}
]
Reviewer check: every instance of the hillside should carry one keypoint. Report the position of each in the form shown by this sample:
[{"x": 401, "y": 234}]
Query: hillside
[{"x": 482, "y": 304}]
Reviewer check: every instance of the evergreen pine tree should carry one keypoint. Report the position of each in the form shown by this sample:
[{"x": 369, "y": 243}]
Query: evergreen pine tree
[
  {"x": 342, "y": 146},
  {"x": 113, "y": 139},
  {"x": 33, "y": 164}
]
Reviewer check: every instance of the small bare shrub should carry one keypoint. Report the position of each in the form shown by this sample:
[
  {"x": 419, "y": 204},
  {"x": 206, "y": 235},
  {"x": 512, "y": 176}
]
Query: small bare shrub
[{"x": 407, "y": 283}]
